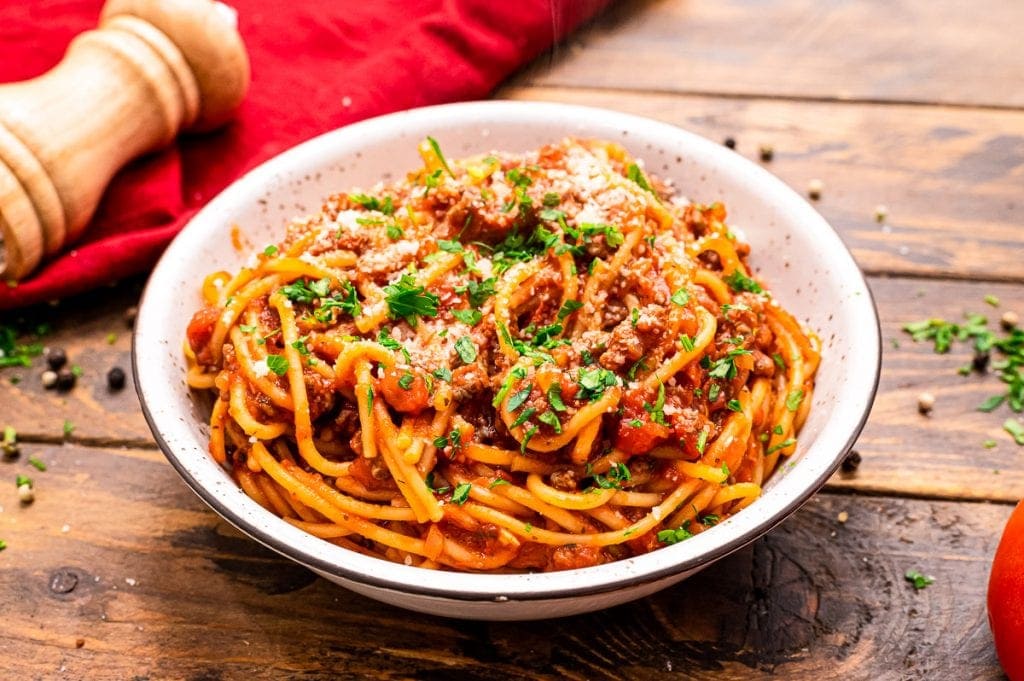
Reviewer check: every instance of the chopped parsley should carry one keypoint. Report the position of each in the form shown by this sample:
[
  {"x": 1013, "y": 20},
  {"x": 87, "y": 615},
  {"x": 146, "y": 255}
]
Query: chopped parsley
[
  {"x": 782, "y": 445},
  {"x": 779, "y": 362},
  {"x": 440, "y": 157},
  {"x": 551, "y": 199},
  {"x": 918, "y": 580},
  {"x": 992, "y": 300},
  {"x": 20, "y": 480},
  {"x": 551, "y": 419},
  {"x": 270, "y": 251},
  {"x": 794, "y": 399},
  {"x": 634, "y": 173},
  {"x": 734, "y": 405},
  {"x": 519, "y": 398},
  {"x": 68, "y": 428},
  {"x": 738, "y": 281},
  {"x": 616, "y": 476},
  {"x": 429, "y": 480},
  {"x": 443, "y": 373},
  {"x": 302, "y": 291},
  {"x": 278, "y": 364},
  {"x": 675, "y": 536},
  {"x": 527, "y": 436},
  {"x": 405, "y": 381},
  {"x": 394, "y": 232},
  {"x": 387, "y": 206},
  {"x": 593, "y": 382},
  {"x": 345, "y": 300},
  {"x": 657, "y": 410},
  {"x": 725, "y": 366},
  {"x": 37, "y": 464},
  {"x": 713, "y": 392},
  {"x": 681, "y": 297},
  {"x": 517, "y": 247},
  {"x": 385, "y": 338},
  {"x": 568, "y": 307},
  {"x": 555, "y": 397},
  {"x": 612, "y": 235},
  {"x": 497, "y": 482},
  {"x": 702, "y": 441},
  {"x": 686, "y": 342},
  {"x": 1016, "y": 430},
  {"x": 468, "y": 317},
  {"x": 479, "y": 292},
  {"x": 461, "y": 493},
  {"x": 466, "y": 349},
  {"x": 407, "y": 300}
]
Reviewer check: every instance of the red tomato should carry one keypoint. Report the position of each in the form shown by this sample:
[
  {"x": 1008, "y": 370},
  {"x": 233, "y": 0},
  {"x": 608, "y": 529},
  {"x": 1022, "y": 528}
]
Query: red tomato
[{"x": 1006, "y": 597}]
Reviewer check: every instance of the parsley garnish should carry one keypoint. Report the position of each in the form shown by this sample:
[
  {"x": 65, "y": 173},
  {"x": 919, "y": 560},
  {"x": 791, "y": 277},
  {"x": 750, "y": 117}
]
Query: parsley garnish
[
  {"x": 794, "y": 399},
  {"x": 37, "y": 464},
  {"x": 552, "y": 199},
  {"x": 782, "y": 445},
  {"x": 467, "y": 351},
  {"x": 686, "y": 342},
  {"x": 612, "y": 235},
  {"x": 555, "y": 397},
  {"x": 551, "y": 419},
  {"x": 498, "y": 482},
  {"x": 345, "y": 300},
  {"x": 407, "y": 300},
  {"x": 440, "y": 157},
  {"x": 734, "y": 405},
  {"x": 468, "y": 317},
  {"x": 738, "y": 281},
  {"x": 523, "y": 417},
  {"x": 681, "y": 297},
  {"x": 526, "y": 439},
  {"x": 405, "y": 380},
  {"x": 306, "y": 292},
  {"x": 593, "y": 382},
  {"x": 918, "y": 580},
  {"x": 443, "y": 373},
  {"x": 675, "y": 536},
  {"x": 278, "y": 364},
  {"x": 517, "y": 247},
  {"x": 779, "y": 362},
  {"x": 386, "y": 206},
  {"x": 461, "y": 493},
  {"x": 657, "y": 410},
  {"x": 725, "y": 367},
  {"x": 385, "y": 338},
  {"x": 568, "y": 307},
  {"x": 395, "y": 232},
  {"x": 702, "y": 441},
  {"x": 616, "y": 476},
  {"x": 519, "y": 398},
  {"x": 270, "y": 251},
  {"x": 1016, "y": 429},
  {"x": 634, "y": 173}
]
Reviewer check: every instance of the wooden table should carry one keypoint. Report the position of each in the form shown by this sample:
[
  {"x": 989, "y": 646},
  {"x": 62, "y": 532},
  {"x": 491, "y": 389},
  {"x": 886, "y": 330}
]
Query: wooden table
[{"x": 118, "y": 571}]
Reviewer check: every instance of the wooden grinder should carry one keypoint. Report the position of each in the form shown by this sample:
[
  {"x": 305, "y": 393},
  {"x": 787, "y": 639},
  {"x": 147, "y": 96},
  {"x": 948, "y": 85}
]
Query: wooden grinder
[{"x": 153, "y": 68}]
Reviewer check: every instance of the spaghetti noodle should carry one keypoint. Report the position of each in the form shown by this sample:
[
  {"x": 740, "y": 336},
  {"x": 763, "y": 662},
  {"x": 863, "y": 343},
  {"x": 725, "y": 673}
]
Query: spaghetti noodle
[{"x": 506, "y": 363}]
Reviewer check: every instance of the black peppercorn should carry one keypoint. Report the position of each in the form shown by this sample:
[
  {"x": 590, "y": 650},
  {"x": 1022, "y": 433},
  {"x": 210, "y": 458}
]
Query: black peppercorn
[
  {"x": 851, "y": 462},
  {"x": 980, "y": 361},
  {"x": 65, "y": 380},
  {"x": 56, "y": 358},
  {"x": 730, "y": 142},
  {"x": 115, "y": 378}
]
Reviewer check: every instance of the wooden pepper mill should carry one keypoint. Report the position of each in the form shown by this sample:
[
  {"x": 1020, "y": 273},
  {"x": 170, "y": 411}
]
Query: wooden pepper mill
[{"x": 153, "y": 68}]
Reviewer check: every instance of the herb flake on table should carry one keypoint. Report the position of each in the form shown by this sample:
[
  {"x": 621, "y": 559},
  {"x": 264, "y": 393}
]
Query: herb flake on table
[{"x": 918, "y": 580}]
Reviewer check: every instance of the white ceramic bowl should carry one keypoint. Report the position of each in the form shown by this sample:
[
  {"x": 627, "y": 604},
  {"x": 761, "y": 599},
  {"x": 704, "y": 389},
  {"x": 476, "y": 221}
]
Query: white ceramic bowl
[{"x": 807, "y": 266}]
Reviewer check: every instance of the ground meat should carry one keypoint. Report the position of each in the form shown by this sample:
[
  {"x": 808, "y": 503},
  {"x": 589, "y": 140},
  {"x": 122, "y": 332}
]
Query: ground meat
[{"x": 576, "y": 556}]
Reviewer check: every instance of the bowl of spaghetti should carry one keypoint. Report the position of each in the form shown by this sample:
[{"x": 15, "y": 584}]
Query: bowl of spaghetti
[{"x": 506, "y": 360}]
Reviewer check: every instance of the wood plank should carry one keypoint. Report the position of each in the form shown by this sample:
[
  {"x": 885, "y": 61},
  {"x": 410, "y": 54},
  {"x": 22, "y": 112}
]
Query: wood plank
[
  {"x": 945, "y": 51},
  {"x": 93, "y": 331},
  {"x": 118, "y": 555},
  {"x": 941, "y": 454},
  {"x": 904, "y": 452},
  {"x": 951, "y": 178}
]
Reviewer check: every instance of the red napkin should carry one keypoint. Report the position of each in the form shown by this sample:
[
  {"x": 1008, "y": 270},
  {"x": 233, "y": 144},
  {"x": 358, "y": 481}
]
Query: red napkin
[{"x": 315, "y": 66}]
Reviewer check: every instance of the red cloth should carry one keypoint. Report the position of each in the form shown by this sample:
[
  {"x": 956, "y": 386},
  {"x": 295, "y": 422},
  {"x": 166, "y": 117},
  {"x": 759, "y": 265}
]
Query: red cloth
[{"x": 315, "y": 66}]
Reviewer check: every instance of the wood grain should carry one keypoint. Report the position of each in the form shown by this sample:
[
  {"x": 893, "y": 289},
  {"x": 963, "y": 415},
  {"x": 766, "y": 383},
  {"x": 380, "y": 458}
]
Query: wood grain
[
  {"x": 904, "y": 452},
  {"x": 951, "y": 178},
  {"x": 118, "y": 553},
  {"x": 938, "y": 52}
]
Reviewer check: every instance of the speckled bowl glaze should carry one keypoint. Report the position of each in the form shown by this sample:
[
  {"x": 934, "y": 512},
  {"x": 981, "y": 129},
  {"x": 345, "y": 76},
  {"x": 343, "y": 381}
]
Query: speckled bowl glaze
[{"x": 805, "y": 263}]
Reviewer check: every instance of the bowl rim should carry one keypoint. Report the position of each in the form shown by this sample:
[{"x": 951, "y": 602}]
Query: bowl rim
[{"x": 689, "y": 556}]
